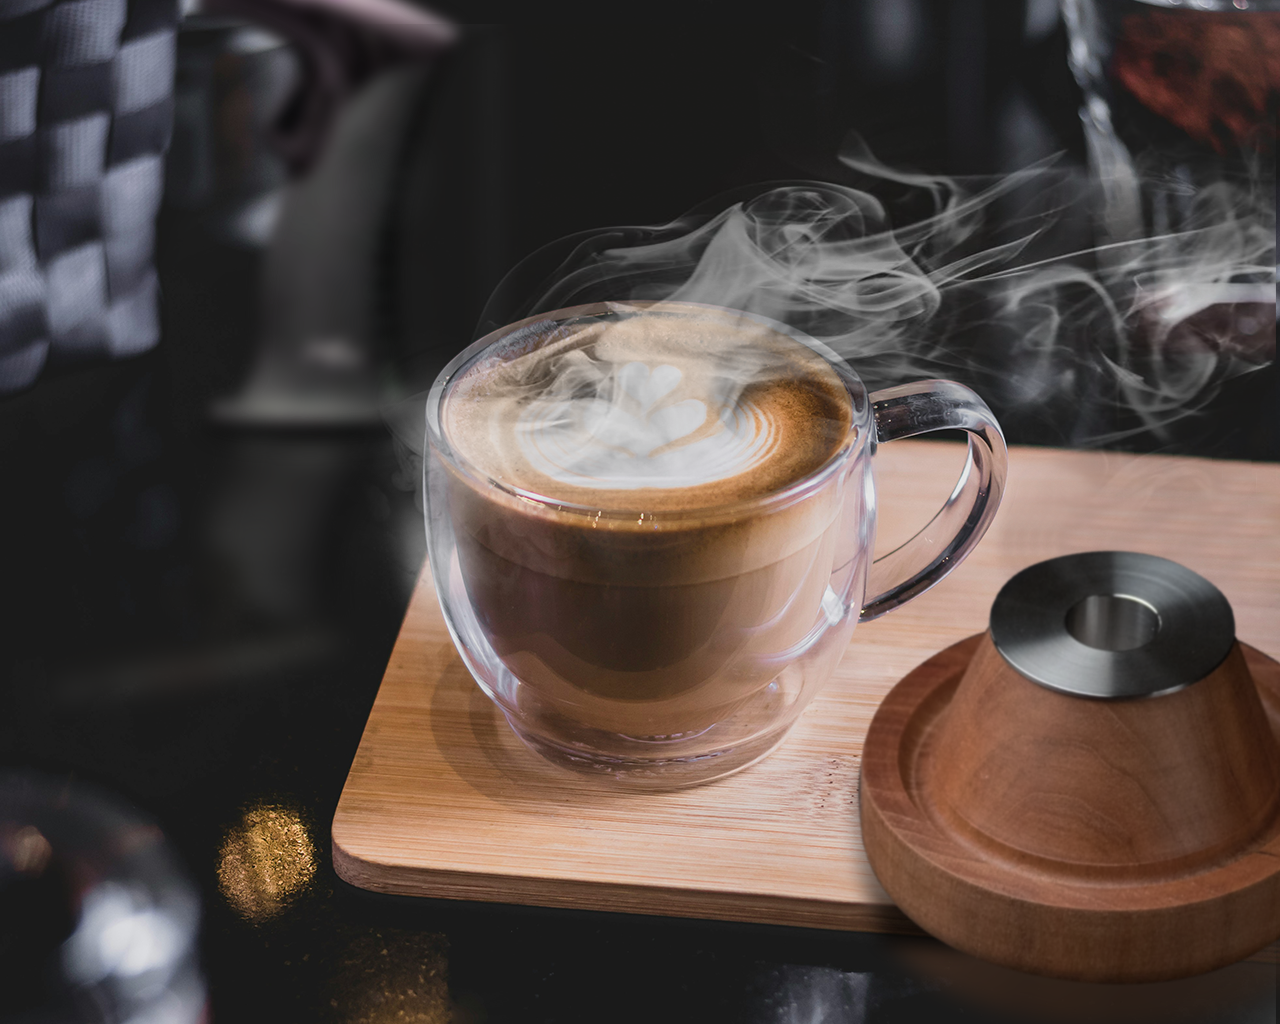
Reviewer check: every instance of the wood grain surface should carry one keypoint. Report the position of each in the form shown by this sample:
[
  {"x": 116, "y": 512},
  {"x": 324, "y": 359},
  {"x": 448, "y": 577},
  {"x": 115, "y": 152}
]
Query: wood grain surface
[
  {"x": 1134, "y": 840},
  {"x": 442, "y": 800}
]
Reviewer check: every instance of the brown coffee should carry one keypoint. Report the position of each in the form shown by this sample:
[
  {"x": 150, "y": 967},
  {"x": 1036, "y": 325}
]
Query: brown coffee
[{"x": 624, "y": 515}]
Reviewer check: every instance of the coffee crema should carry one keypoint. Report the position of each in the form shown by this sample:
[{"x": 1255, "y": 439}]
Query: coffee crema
[{"x": 658, "y": 408}]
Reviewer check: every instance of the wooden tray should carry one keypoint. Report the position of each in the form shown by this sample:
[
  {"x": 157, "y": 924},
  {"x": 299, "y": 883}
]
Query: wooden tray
[{"x": 443, "y": 800}]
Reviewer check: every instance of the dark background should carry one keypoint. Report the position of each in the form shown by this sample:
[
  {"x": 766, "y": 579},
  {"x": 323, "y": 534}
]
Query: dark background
[{"x": 196, "y": 614}]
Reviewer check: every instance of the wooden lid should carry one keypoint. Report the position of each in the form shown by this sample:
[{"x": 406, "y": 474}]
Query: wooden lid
[{"x": 1101, "y": 840}]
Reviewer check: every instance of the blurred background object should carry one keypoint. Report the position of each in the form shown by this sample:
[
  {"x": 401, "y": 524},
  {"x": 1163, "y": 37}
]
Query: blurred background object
[
  {"x": 321, "y": 359},
  {"x": 233, "y": 80},
  {"x": 1179, "y": 116},
  {"x": 320, "y": 362},
  {"x": 86, "y": 104},
  {"x": 98, "y": 921},
  {"x": 1176, "y": 97},
  {"x": 341, "y": 44}
]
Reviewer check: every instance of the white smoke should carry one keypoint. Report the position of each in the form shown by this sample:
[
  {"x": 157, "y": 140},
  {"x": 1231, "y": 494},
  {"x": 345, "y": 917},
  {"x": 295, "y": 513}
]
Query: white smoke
[{"x": 913, "y": 276}]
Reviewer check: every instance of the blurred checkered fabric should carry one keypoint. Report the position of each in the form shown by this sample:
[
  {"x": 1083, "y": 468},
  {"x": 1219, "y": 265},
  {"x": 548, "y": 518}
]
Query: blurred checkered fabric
[{"x": 86, "y": 108}]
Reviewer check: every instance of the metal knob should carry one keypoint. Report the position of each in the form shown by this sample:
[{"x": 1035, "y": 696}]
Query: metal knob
[{"x": 1112, "y": 625}]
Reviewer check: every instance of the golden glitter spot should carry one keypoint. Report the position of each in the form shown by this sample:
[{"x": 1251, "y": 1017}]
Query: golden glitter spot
[
  {"x": 392, "y": 976},
  {"x": 266, "y": 859}
]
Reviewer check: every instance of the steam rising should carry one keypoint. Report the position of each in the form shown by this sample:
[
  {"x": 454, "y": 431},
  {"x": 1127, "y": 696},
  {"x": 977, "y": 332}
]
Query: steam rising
[{"x": 931, "y": 277}]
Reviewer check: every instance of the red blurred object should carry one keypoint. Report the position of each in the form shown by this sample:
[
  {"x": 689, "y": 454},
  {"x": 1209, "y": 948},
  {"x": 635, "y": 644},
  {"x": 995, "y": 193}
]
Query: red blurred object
[{"x": 1216, "y": 75}]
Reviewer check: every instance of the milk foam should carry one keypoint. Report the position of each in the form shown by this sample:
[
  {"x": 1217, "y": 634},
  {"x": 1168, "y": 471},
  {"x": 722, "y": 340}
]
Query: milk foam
[
  {"x": 635, "y": 440},
  {"x": 670, "y": 407}
]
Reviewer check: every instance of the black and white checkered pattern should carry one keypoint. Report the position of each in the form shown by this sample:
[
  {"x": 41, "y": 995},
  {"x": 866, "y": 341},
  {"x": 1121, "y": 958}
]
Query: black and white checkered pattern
[{"x": 86, "y": 109}]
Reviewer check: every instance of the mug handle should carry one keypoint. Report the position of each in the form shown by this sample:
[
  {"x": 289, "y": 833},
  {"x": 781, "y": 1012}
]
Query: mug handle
[{"x": 926, "y": 558}]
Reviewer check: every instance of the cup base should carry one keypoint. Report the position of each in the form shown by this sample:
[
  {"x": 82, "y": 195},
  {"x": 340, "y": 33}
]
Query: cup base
[{"x": 664, "y": 771}]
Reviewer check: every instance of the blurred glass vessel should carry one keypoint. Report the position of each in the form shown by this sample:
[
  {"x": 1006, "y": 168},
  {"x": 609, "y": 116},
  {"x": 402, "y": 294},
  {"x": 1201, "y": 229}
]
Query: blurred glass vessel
[
  {"x": 98, "y": 922},
  {"x": 1178, "y": 96},
  {"x": 1179, "y": 116}
]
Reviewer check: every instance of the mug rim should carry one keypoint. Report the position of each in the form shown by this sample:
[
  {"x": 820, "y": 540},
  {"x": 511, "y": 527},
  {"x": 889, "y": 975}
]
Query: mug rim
[{"x": 860, "y": 427}]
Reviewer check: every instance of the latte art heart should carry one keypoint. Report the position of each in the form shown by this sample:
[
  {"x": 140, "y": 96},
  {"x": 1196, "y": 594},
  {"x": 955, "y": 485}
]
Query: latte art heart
[
  {"x": 647, "y": 385},
  {"x": 632, "y": 441},
  {"x": 650, "y": 409}
]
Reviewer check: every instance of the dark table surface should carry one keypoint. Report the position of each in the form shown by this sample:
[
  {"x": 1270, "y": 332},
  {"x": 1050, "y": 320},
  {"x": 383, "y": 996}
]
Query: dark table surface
[{"x": 196, "y": 615}]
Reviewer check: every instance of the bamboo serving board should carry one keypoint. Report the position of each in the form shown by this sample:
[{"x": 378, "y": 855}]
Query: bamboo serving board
[{"x": 442, "y": 800}]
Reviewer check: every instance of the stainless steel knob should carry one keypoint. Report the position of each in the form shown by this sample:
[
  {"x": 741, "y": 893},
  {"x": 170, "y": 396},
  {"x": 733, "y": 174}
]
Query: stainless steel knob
[{"x": 1112, "y": 625}]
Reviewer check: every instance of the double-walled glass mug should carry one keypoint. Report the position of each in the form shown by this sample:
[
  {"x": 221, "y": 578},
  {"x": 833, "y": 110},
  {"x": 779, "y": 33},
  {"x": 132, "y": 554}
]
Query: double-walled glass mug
[{"x": 651, "y": 525}]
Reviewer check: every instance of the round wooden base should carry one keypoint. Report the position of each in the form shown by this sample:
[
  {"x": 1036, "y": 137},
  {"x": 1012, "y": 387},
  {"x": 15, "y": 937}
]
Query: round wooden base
[{"x": 1141, "y": 921}]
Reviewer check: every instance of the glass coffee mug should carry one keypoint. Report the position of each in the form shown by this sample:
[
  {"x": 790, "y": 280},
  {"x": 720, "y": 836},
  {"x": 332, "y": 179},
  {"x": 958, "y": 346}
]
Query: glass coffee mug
[{"x": 650, "y": 527}]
